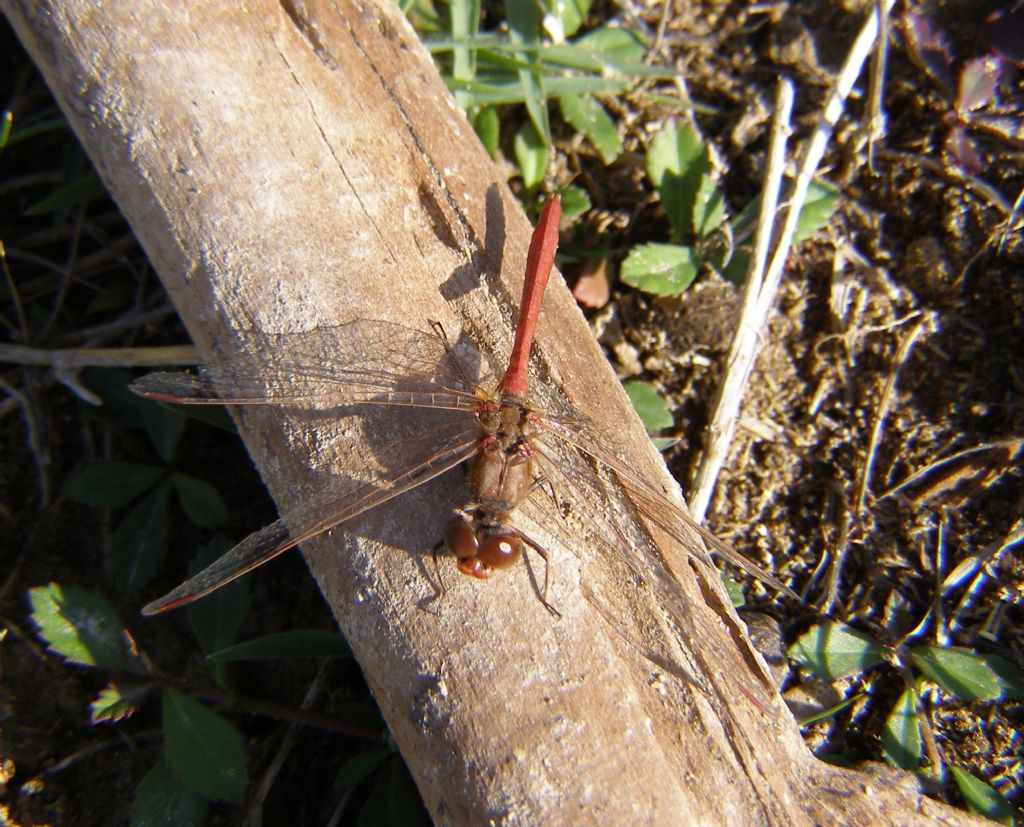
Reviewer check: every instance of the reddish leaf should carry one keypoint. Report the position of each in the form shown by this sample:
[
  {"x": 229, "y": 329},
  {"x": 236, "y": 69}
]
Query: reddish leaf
[
  {"x": 594, "y": 286},
  {"x": 961, "y": 150},
  {"x": 929, "y": 48},
  {"x": 978, "y": 82}
]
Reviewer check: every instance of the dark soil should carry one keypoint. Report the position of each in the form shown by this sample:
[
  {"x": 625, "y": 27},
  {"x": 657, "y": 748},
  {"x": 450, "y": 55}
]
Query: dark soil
[{"x": 924, "y": 351}]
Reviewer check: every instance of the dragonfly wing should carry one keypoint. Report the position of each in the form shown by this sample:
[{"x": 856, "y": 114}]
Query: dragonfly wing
[
  {"x": 340, "y": 500},
  {"x": 361, "y": 362},
  {"x": 637, "y": 559},
  {"x": 654, "y": 505}
]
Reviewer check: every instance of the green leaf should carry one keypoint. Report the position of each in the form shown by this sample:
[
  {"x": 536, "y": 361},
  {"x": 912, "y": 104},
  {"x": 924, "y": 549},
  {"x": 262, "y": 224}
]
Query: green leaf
[
  {"x": 201, "y": 501},
  {"x": 832, "y": 710},
  {"x": 488, "y": 91},
  {"x": 661, "y": 269},
  {"x": 1011, "y": 680},
  {"x": 575, "y": 201},
  {"x": 82, "y": 190},
  {"x": 901, "y": 737},
  {"x": 620, "y": 49},
  {"x": 112, "y": 483},
  {"x": 569, "y": 13},
  {"x": 5, "y": 128},
  {"x": 47, "y": 121},
  {"x": 822, "y": 199},
  {"x": 217, "y": 619},
  {"x": 734, "y": 590},
  {"x": 137, "y": 547},
  {"x": 581, "y": 57},
  {"x": 121, "y": 408},
  {"x": 115, "y": 296},
  {"x": 524, "y": 23},
  {"x": 531, "y": 155},
  {"x": 821, "y": 202},
  {"x": 114, "y": 704},
  {"x": 487, "y": 126},
  {"x": 213, "y": 415},
  {"x": 464, "y": 19},
  {"x": 393, "y": 800},
  {"x": 359, "y": 767},
  {"x": 163, "y": 801},
  {"x": 83, "y": 628},
  {"x": 588, "y": 117},
  {"x": 165, "y": 425},
  {"x": 204, "y": 749},
  {"x": 981, "y": 799},
  {"x": 298, "y": 643},
  {"x": 746, "y": 217},
  {"x": 736, "y": 270},
  {"x": 960, "y": 672},
  {"x": 651, "y": 406},
  {"x": 708, "y": 207},
  {"x": 677, "y": 163},
  {"x": 832, "y": 651}
]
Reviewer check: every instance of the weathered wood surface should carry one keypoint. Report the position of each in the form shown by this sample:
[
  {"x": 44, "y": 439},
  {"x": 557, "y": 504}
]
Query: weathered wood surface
[{"x": 293, "y": 165}]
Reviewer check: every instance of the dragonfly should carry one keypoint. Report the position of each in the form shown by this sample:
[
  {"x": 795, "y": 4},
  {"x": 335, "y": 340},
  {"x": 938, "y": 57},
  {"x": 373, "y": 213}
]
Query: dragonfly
[{"x": 504, "y": 435}]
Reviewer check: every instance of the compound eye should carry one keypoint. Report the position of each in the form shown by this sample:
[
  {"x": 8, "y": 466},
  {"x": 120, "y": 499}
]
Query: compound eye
[
  {"x": 499, "y": 551},
  {"x": 460, "y": 538}
]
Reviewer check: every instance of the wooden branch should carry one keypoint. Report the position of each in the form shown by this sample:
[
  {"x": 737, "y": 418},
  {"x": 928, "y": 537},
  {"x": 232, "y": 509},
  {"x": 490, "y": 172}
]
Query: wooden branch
[{"x": 292, "y": 165}]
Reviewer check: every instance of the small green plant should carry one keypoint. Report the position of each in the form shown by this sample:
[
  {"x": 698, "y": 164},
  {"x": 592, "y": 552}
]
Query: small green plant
[
  {"x": 832, "y": 650},
  {"x": 680, "y": 168},
  {"x": 537, "y": 59},
  {"x": 137, "y": 547},
  {"x": 653, "y": 410},
  {"x": 204, "y": 757}
]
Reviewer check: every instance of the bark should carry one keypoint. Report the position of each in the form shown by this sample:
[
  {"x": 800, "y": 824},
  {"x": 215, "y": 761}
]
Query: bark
[{"x": 292, "y": 165}]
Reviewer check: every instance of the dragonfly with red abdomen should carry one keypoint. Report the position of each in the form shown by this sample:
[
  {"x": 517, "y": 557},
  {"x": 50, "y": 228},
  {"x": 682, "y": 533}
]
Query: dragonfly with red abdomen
[{"x": 501, "y": 434}]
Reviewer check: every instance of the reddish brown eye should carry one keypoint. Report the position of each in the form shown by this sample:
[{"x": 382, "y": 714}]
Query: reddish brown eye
[
  {"x": 499, "y": 551},
  {"x": 460, "y": 538}
]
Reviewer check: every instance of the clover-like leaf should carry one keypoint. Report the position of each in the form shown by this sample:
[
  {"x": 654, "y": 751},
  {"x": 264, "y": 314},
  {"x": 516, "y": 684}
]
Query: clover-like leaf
[
  {"x": 162, "y": 800},
  {"x": 115, "y": 703},
  {"x": 588, "y": 116},
  {"x": 138, "y": 544},
  {"x": 82, "y": 627},
  {"x": 295, "y": 643},
  {"x": 982, "y": 799},
  {"x": 901, "y": 737},
  {"x": 201, "y": 502},
  {"x": 651, "y": 406},
  {"x": 661, "y": 269},
  {"x": 822, "y": 199},
  {"x": 960, "y": 672},
  {"x": 1009, "y": 677},
  {"x": 218, "y": 618},
  {"x": 832, "y": 650},
  {"x": 112, "y": 483},
  {"x": 359, "y": 767},
  {"x": 203, "y": 748},
  {"x": 531, "y": 154},
  {"x": 165, "y": 426},
  {"x": 487, "y": 125},
  {"x": 575, "y": 201}
]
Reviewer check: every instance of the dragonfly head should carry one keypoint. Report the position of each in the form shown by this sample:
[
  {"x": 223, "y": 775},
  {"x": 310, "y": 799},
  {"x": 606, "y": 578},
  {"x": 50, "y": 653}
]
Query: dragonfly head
[{"x": 479, "y": 552}]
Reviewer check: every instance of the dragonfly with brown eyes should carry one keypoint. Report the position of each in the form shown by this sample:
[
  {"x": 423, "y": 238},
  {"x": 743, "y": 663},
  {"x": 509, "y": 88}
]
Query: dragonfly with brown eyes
[{"x": 499, "y": 434}]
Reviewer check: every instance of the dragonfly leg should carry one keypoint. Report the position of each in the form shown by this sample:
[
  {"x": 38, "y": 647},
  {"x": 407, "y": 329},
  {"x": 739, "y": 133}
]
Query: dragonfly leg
[
  {"x": 547, "y": 575},
  {"x": 442, "y": 590}
]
